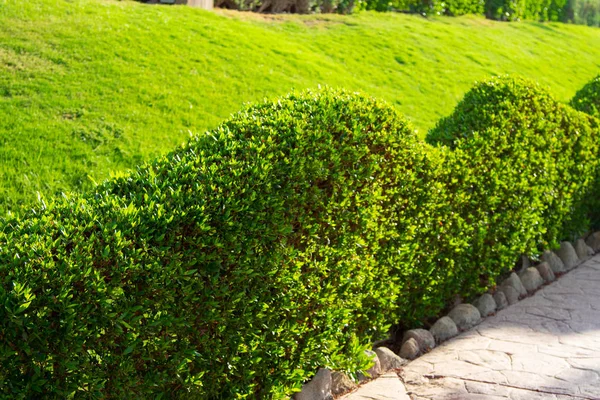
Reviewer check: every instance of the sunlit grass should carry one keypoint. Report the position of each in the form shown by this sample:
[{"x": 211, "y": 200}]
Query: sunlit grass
[{"x": 91, "y": 86}]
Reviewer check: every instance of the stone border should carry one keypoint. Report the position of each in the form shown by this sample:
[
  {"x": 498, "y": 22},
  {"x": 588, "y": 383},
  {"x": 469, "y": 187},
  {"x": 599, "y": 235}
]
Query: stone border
[{"x": 415, "y": 342}]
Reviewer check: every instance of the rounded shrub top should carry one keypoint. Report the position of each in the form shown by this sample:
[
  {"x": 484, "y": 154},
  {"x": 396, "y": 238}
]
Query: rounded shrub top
[
  {"x": 525, "y": 154},
  {"x": 504, "y": 102},
  {"x": 233, "y": 267},
  {"x": 587, "y": 99}
]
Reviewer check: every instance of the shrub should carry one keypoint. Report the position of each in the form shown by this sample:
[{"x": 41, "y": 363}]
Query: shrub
[
  {"x": 231, "y": 268},
  {"x": 429, "y": 7},
  {"x": 520, "y": 169},
  {"x": 587, "y": 99},
  {"x": 584, "y": 12},
  {"x": 515, "y": 10}
]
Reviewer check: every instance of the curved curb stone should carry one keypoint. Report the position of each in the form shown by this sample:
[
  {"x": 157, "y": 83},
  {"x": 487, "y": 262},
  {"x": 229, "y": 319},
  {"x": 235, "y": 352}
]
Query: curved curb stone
[
  {"x": 443, "y": 329},
  {"x": 500, "y": 299},
  {"x": 319, "y": 388},
  {"x": 372, "y": 372},
  {"x": 568, "y": 255},
  {"x": 423, "y": 337},
  {"x": 341, "y": 383},
  {"x": 532, "y": 279},
  {"x": 485, "y": 304},
  {"x": 553, "y": 261},
  {"x": 410, "y": 349},
  {"x": 465, "y": 316},
  {"x": 546, "y": 272},
  {"x": 594, "y": 241},
  {"x": 388, "y": 359},
  {"x": 514, "y": 281},
  {"x": 511, "y": 294},
  {"x": 582, "y": 250}
]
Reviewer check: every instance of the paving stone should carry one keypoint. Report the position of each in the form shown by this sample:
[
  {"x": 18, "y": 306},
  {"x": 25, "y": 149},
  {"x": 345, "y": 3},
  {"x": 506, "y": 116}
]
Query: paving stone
[
  {"x": 510, "y": 293},
  {"x": 582, "y": 250},
  {"x": 465, "y": 316},
  {"x": 386, "y": 387},
  {"x": 553, "y": 261},
  {"x": 567, "y": 255},
  {"x": 388, "y": 359},
  {"x": 546, "y": 272},
  {"x": 534, "y": 381},
  {"x": 594, "y": 241},
  {"x": 319, "y": 387},
  {"x": 372, "y": 372},
  {"x": 539, "y": 363},
  {"x": 410, "y": 349},
  {"x": 485, "y": 304},
  {"x": 495, "y": 360},
  {"x": 514, "y": 281},
  {"x": 443, "y": 329},
  {"x": 531, "y": 279},
  {"x": 500, "y": 299},
  {"x": 423, "y": 337},
  {"x": 487, "y": 389}
]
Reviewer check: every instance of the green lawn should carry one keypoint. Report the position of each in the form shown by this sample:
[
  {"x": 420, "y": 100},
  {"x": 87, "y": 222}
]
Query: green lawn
[{"x": 93, "y": 86}]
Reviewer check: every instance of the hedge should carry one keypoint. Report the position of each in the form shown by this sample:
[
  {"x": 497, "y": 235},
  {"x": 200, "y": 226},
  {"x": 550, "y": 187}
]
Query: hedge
[
  {"x": 587, "y": 100},
  {"x": 520, "y": 171},
  {"x": 286, "y": 240},
  {"x": 231, "y": 268}
]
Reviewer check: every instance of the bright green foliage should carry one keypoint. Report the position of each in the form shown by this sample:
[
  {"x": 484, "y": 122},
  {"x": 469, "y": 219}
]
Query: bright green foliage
[
  {"x": 588, "y": 98},
  {"x": 536, "y": 10},
  {"x": 461, "y": 7},
  {"x": 233, "y": 267},
  {"x": 584, "y": 12},
  {"x": 521, "y": 166},
  {"x": 429, "y": 7}
]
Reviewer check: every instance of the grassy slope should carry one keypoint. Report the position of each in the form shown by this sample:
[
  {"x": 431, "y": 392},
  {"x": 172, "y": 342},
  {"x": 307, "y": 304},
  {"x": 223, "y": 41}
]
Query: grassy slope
[{"x": 90, "y": 86}]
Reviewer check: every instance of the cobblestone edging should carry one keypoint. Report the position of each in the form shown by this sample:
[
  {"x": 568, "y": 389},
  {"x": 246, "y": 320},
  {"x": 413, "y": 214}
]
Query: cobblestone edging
[{"x": 415, "y": 342}]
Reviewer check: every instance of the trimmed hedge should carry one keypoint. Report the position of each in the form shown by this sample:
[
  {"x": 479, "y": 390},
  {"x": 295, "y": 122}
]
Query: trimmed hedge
[
  {"x": 587, "y": 99},
  {"x": 231, "y": 268},
  {"x": 285, "y": 240},
  {"x": 523, "y": 157},
  {"x": 518, "y": 168}
]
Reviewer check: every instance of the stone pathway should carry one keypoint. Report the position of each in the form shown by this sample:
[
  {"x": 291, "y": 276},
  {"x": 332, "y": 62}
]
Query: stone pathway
[{"x": 545, "y": 347}]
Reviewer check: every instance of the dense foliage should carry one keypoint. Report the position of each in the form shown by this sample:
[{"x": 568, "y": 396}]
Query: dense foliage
[
  {"x": 233, "y": 267},
  {"x": 536, "y": 10},
  {"x": 520, "y": 171},
  {"x": 584, "y": 12},
  {"x": 285, "y": 240},
  {"x": 588, "y": 98}
]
